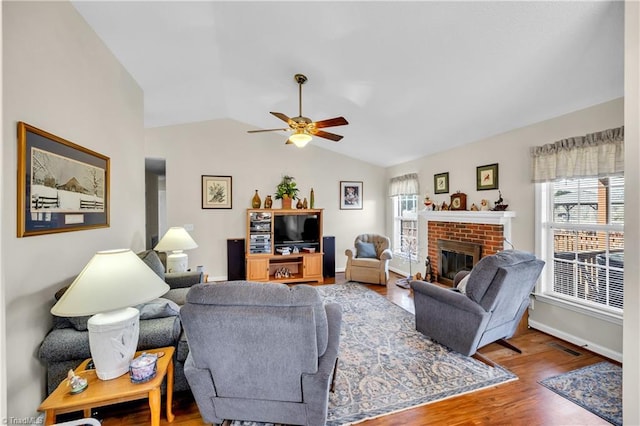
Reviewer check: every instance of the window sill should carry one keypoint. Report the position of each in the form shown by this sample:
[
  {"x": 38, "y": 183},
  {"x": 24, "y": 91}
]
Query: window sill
[{"x": 615, "y": 318}]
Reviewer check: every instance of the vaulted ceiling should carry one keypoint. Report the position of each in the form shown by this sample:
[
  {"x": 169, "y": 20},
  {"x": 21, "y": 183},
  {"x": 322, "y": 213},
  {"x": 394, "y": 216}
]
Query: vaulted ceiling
[{"x": 412, "y": 78}]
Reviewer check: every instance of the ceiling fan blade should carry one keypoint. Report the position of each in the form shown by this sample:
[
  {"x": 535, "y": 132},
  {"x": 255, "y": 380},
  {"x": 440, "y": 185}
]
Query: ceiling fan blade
[
  {"x": 268, "y": 130},
  {"x": 281, "y": 116},
  {"x": 331, "y": 122},
  {"x": 327, "y": 135},
  {"x": 288, "y": 142}
]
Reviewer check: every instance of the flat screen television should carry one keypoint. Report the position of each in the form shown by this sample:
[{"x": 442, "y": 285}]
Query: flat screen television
[{"x": 296, "y": 228}]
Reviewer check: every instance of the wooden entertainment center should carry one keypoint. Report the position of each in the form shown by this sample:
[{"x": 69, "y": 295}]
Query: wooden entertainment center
[{"x": 284, "y": 245}]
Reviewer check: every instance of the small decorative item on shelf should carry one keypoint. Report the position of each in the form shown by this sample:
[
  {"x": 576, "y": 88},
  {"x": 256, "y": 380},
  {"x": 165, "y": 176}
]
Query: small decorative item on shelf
[
  {"x": 76, "y": 383},
  {"x": 143, "y": 368},
  {"x": 299, "y": 204},
  {"x": 474, "y": 208},
  {"x": 312, "y": 199},
  {"x": 444, "y": 206},
  {"x": 484, "y": 205},
  {"x": 499, "y": 204},
  {"x": 256, "y": 201},
  {"x": 428, "y": 203},
  {"x": 282, "y": 273},
  {"x": 268, "y": 202},
  {"x": 305, "y": 205},
  {"x": 286, "y": 191}
]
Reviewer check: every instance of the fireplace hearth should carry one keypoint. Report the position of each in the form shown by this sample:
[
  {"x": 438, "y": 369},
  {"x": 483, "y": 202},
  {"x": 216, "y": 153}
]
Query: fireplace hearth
[{"x": 456, "y": 256}]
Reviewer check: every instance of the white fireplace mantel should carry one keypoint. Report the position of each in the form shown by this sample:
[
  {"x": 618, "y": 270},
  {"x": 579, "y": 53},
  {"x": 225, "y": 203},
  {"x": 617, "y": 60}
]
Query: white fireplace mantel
[{"x": 464, "y": 216}]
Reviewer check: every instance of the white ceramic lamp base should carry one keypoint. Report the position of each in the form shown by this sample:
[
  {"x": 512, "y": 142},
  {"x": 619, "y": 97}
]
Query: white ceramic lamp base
[
  {"x": 177, "y": 262},
  {"x": 113, "y": 338}
]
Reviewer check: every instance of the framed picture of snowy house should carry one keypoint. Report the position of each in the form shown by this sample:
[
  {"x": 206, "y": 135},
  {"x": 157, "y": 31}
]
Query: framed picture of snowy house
[{"x": 61, "y": 186}]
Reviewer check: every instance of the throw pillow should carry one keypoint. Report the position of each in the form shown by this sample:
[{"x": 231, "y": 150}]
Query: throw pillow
[
  {"x": 462, "y": 285},
  {"x": 151, "y": 258},
  {"x": 366, "y": 250},
  {"x": 158, "y": 308}
]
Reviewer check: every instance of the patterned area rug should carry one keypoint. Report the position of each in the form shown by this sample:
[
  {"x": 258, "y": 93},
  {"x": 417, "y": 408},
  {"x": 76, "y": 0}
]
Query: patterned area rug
[
  {"x": 597, "y": 388},
  {"x": 386, "y": 366}
]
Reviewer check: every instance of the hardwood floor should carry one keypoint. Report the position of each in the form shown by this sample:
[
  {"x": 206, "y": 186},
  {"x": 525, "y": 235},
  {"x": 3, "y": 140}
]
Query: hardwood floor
[{"x": 520, "y": 402}]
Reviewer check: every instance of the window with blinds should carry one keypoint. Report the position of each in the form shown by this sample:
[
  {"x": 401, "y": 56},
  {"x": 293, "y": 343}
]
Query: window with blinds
[
  {"x": 405, "y": 235},
  {"x": 585, "y": 236}
]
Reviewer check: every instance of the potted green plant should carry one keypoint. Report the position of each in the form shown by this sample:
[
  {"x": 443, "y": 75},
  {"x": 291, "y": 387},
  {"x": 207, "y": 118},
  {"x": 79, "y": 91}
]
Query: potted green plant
[{"x": 286, "y": 191}]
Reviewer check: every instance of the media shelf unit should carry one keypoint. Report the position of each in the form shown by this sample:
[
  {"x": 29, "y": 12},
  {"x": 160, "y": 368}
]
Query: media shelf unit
[{"x": 270, "y": 232}]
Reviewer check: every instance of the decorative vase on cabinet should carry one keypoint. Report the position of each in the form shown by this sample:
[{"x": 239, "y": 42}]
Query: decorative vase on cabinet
[
  {"x": 256, "y": 201},
  {"x": 268, "y": 202}
]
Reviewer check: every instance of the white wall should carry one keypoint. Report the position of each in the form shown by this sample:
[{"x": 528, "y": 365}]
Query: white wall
[
  {"x": 511, "y": 151},
  {"x": 631, "y": 370},
  {"x": 58, "y": 76},
  {"x": 257, "y": 161}
]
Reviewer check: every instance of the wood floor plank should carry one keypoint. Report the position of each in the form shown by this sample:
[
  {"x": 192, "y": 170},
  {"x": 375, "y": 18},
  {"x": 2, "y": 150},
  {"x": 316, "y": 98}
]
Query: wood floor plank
[{"x": 520, "y": 402}]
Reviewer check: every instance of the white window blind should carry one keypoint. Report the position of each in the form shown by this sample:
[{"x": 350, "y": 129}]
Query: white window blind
[{"x": 585, "y": 229}]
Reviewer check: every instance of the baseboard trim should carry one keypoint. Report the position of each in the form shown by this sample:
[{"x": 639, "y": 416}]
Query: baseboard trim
[{"x": 593, "y": 347}]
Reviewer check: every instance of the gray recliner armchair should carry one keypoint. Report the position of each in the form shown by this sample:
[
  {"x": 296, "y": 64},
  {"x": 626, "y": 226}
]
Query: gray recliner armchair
[
  {"x": 495, "y": 299},
  {"x": 368, "y": 260},
  {"x": 260, "y": 351}
]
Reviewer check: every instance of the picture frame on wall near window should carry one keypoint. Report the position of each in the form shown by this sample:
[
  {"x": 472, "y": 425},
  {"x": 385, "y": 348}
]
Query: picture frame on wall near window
[
  {"x": 351, "y": 195},
  {"x": 487, "y": 177},
  {"x": 441, "y": 183},
  {"x": 217, "y": 192},
  {"x": 62, "y": 186}
]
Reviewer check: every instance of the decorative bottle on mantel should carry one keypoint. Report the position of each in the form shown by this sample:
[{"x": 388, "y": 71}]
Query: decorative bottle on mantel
[
  {"x": 312, "y": 199},
  {"x": 256, "y": 201},
  {"x": 268, "y": 202},
  {"x": 299, "y": 204}
]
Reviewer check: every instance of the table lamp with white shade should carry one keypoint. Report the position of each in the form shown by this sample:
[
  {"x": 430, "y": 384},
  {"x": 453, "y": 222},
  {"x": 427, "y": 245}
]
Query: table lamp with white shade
[
  {"x": 112, "y": 282},
  {"x": 175, "y": 241}
]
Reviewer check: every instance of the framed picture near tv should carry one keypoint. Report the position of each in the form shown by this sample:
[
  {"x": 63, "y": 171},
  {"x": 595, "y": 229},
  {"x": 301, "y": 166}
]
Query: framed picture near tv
[
  {"x": 62, "y": 186},
  {"x": 350, "y": 195}
]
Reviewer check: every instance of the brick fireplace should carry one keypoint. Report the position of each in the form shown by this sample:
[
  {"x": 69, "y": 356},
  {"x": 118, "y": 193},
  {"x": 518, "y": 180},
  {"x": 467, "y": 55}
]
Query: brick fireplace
[{"x": 487, "y": 230}]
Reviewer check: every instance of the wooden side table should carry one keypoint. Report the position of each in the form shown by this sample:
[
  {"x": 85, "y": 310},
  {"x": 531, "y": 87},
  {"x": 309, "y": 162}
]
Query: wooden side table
[{"x": 106, "y": 392}]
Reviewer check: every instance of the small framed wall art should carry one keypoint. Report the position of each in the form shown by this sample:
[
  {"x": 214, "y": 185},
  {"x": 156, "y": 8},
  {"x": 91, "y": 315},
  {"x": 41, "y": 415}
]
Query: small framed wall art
[
  {"x": 441, "y": 183},
  {"x": 216, "y": 192},
  {"x": 350, "y": 195},
  {"x": 487, "y": 177},
  {"x": 61, "y": 186}
]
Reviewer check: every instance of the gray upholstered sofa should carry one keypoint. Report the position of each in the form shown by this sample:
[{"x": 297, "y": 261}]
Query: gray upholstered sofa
[
  {"x": 67, "y": 344},
  {"x": 261, "y": 352}
]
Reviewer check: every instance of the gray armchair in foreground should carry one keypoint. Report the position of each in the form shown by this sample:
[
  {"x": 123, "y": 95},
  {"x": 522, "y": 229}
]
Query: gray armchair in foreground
[
  {"x": 260, "y": 352},
  {"x": 497, "y": 295}
]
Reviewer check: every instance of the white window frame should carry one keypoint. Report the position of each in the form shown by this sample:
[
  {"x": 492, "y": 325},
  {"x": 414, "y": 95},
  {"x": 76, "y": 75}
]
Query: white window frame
[
  {"x": 398, "y": 218},
  {"x": 545, "y": 250}
]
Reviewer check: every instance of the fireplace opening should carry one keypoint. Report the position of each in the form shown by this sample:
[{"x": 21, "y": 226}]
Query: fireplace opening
[{"x": 456, "y": 256}]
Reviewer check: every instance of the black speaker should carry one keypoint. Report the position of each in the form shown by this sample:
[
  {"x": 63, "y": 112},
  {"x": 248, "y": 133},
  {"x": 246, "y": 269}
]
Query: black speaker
[
  {"x": 329, "y": 259},
  {"x": 235, "y": 259}
]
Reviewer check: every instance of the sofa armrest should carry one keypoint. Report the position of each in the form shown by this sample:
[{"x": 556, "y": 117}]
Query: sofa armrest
[{"x": 183, "y": 279}]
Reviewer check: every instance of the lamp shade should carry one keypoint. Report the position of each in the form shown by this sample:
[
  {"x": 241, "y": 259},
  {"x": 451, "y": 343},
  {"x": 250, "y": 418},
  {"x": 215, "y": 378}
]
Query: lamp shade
[
  {"x": 112, "y": 279},
  {"x": 176, "y": 238}
]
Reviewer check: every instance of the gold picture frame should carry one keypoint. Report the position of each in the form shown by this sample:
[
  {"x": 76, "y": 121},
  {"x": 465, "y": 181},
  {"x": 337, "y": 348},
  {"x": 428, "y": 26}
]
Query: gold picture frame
[{"x": 62, "y": 186}]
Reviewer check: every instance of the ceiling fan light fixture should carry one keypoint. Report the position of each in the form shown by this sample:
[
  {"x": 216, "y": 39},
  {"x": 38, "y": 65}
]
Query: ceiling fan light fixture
[{"x": 300, "y": 139}]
